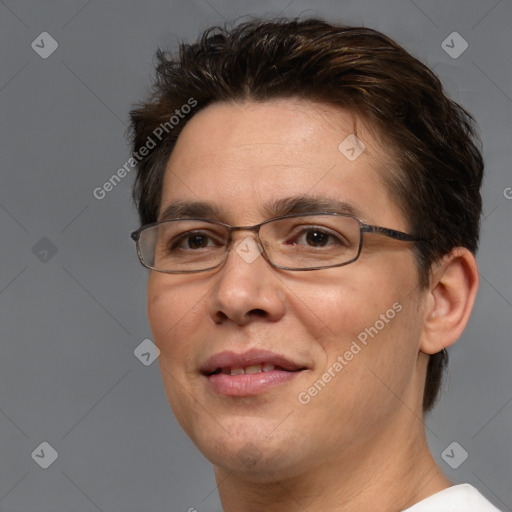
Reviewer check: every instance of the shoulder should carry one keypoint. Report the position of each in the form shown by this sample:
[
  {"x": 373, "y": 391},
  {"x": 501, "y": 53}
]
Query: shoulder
[{"x": 458, "y": 498}]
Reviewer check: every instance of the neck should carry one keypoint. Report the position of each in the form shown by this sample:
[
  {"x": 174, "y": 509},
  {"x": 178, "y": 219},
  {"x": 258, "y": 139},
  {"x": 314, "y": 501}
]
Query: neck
[{"x": 391, "y": 472}]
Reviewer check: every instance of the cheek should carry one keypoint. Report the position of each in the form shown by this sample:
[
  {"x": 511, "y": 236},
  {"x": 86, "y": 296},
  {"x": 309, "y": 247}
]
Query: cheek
[
  {"x": 336, "y": 310},
  {"x": 372, "y": 325},
  {"x": 171, "y": 311},
  {"x": 159, "y": 312}
]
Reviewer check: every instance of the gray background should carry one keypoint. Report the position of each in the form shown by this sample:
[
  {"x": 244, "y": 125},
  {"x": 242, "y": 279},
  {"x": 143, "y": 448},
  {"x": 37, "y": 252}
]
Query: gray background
[{"x": 70, "y": 320}]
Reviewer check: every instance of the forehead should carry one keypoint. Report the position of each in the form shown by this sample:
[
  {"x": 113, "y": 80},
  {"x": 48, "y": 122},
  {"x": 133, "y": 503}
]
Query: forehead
[{"x": 241, "y": 157}]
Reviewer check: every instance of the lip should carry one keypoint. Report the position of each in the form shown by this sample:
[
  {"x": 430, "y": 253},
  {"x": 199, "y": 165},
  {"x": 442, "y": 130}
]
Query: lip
[{"x": 249, "y": 383}]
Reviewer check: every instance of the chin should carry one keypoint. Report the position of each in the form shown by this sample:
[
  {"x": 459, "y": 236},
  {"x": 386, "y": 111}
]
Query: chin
[
  {"x": 255, "y": 465},
  {"x": 251, "y": 454}
]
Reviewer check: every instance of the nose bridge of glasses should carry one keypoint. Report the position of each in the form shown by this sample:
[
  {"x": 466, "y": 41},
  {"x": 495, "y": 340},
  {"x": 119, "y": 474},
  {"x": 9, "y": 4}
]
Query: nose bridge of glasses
[
  {"x": 253, "y": 229},
  {"x": 246, "y": 247}
]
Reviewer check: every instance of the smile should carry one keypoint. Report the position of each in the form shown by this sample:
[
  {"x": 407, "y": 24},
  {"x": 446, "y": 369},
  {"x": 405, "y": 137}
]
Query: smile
[
  {"x": 259, "y": 368},
  {"x": 250, "y": 373}
]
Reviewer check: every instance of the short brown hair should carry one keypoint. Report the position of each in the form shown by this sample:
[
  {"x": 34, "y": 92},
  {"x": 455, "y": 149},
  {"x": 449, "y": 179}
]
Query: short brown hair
[{"x": 432, "y": 139}]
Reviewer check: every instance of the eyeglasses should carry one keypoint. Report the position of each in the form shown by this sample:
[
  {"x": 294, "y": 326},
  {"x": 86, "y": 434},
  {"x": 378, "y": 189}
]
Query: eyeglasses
[{"x": 310, "y": 241}]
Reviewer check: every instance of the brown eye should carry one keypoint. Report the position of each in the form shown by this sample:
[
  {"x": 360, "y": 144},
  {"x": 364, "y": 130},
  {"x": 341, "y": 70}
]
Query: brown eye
[
  {"x": 197, "y": 241},
  {"x": 312, "y": 236},
  {"x": 193, "y": 241},
  {"x": 317, "y": 238}
]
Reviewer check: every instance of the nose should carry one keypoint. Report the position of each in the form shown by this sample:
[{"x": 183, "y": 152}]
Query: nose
[{"x": 247, "y": 287}]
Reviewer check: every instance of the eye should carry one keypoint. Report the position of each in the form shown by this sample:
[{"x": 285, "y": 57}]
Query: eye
[
  {"x": 193, "y": 240},
  {"x": 317, "y": 238},
  {"x": 314, "y": 236}
]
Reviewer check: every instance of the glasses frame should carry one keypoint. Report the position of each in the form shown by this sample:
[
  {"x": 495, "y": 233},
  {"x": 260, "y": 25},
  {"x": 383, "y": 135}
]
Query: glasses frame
[{"x": 364, "y": 228}]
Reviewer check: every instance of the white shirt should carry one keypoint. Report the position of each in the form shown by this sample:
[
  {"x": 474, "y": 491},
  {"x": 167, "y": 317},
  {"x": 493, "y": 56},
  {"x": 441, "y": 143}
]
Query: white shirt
[{"x": 458, "y": 498}]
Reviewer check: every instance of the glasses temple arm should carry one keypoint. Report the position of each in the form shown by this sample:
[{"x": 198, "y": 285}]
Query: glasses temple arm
[{"x": 391, "y": 233}]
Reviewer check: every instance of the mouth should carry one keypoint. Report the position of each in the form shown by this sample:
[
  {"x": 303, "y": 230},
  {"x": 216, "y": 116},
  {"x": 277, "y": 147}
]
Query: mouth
[
  {"x": 252, "y": 369},
  {"x": 250, "y": 373}
]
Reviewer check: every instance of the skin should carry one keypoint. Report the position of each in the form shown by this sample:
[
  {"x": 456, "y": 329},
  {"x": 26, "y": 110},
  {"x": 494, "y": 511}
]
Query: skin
[{"x": 360, "y": 441}]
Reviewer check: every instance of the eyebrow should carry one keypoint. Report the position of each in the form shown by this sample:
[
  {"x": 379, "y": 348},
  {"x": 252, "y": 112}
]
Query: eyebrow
[{"x": 276, "y": 208}]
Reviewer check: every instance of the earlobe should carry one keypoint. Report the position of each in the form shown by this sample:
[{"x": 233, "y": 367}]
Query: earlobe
[{"x": 452, "y": 293}]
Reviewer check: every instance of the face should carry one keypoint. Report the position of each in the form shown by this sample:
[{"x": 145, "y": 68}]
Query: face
[{"x": 343, "y": 342}]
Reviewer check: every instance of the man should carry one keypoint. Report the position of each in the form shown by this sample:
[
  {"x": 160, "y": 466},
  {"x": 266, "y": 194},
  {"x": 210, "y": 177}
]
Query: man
[{"x": 310, "y": 205}]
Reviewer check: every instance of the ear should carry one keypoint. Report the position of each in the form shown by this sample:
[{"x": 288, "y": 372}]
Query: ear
[{"x": 449, "y": 301}]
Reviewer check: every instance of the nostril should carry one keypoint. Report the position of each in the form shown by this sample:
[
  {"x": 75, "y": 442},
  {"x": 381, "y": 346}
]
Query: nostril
[
  {"x": 220, "y": 317},
  {"x": 258, "y": 312}
]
